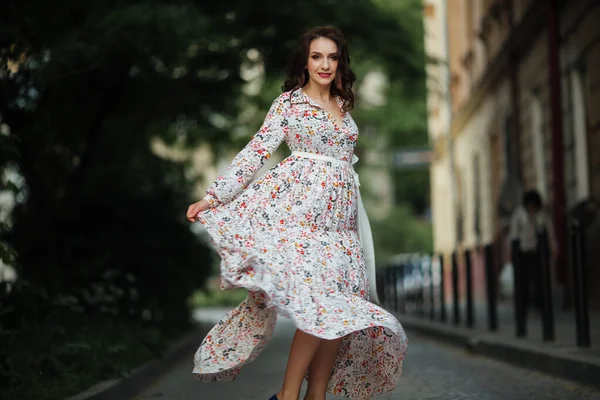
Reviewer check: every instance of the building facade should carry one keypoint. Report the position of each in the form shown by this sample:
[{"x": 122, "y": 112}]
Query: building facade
[{"x": 511, "y": 107}]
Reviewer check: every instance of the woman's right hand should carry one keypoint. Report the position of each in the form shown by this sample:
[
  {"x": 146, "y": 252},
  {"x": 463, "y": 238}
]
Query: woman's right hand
[{"x": 195, "y": 208}]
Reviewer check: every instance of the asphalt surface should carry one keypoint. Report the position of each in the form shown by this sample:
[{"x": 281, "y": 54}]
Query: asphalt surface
[{"x": 432, "y": 371}]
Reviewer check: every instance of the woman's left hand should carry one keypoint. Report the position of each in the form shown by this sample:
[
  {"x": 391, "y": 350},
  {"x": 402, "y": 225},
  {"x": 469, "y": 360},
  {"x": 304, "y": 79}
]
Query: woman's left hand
[{"x": 195, "y": 208}]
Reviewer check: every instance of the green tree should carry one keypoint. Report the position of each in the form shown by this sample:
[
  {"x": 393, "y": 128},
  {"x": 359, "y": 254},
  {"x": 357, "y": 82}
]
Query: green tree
[
  {"x": 402, "y": 121},
  {"x": 401, "y": 233}
]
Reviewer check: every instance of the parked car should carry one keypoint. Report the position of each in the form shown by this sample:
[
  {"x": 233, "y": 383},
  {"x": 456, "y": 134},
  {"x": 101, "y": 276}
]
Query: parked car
[{"x": 407, "y": 280}]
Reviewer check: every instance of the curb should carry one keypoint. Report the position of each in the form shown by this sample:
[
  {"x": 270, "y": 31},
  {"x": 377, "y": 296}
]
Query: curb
[
  {"x": 135, "y": 381},
  {"x": 566, "y": 362}
]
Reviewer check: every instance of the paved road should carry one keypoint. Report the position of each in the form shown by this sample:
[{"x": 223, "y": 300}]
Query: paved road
[{"x": 432, "y": 372}]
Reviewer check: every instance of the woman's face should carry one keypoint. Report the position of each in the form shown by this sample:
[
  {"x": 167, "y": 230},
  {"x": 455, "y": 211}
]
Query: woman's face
[
  {"x": 322, "y": 61},
  {"x": 532, "y": 208}
]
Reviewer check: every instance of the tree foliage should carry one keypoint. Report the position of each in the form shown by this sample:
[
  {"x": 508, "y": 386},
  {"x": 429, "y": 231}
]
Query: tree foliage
[
  {"x": 402, "y": 119},
  {"x": 401, "y": 233}
]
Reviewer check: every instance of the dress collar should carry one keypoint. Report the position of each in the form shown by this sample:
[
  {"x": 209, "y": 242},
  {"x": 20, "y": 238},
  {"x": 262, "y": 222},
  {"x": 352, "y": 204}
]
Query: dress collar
[{"x": 298, "y": 96}]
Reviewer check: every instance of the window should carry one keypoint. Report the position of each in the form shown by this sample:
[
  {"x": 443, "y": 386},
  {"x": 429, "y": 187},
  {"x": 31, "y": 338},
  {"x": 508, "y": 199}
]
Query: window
[
  {"x": 578, "y": 114},
  {"x": 537, "y": 145}
]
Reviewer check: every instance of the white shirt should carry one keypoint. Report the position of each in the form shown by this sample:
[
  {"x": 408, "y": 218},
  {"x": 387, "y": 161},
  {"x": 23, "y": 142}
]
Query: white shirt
[{"x": 525, "y": 228}]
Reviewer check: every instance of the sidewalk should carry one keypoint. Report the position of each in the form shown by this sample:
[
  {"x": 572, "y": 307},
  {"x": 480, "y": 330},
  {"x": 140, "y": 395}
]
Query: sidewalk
[{"x": 561, "y": 358}]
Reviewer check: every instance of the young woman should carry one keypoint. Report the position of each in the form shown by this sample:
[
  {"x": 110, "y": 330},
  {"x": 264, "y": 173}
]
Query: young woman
[{"x": 291, "y": 239}]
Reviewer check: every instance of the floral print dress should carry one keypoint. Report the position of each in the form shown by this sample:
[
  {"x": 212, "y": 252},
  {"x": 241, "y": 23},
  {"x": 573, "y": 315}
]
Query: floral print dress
[{"x": 290, "y": 238}]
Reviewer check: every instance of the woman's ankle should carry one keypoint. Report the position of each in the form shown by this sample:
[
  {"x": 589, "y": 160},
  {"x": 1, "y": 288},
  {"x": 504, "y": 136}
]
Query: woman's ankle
[
  {"x": 312, "y": 396},
  {"x": 286, "y": 395}
]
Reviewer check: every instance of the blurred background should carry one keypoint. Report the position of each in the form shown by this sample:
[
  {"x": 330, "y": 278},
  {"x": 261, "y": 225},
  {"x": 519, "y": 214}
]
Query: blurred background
[
  {"x": 116, "y": 115},
  {"x": 511, "y": 109}
]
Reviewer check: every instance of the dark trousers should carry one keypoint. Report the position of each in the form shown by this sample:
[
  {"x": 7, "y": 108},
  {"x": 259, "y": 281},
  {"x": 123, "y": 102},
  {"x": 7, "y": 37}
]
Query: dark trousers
[{"x": 530, "y": 274}]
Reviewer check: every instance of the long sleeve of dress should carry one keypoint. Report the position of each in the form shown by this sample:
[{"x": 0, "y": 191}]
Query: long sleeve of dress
[{"x": 250, "y": 160}]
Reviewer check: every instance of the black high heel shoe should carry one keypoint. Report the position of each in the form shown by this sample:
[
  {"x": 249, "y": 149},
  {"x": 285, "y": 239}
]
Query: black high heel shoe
[{"x": 274, "y": 397}]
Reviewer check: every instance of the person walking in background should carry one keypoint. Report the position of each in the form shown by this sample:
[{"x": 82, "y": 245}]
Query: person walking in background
[
  {"x": 298, "y": 240},
  {"x": 529, "y": 224}
]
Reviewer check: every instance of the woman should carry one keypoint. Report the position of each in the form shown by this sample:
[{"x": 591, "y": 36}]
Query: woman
[{"x": 291, "y": 239}]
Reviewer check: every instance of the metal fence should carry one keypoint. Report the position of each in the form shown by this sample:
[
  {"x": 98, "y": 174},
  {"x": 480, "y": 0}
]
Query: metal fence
[{"x": 416, "y": 284}]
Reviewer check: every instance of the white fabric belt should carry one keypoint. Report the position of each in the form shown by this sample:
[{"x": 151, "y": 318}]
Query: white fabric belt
[
  {"x": 330, "y": 159},
  {"x": 363, "y": 226}
]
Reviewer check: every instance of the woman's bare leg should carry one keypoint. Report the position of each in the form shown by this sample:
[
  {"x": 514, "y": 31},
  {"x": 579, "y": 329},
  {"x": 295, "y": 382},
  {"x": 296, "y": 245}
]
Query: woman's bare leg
[
  {"x": 321, "y": 367},
  {"x": 304, "y": 347}
]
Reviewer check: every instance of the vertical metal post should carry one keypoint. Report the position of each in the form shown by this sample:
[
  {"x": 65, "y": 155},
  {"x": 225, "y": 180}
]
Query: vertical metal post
[
  {"x": 469, "y": 284},
  {"x": 389, "y": 287},
  {"x": 490, "y": 284},
  {"x": 455, "y": 293},
  {"x": 395, "y": 277},
  {"x": 519, "y": 306},
  {"x": 431, "y": 291},
  {"x": 380, "y": 286},
  {"x": 420, "y": 306},
  {"x": 401, "y": 294},
  {"x": 392, "y": 287},
  {"x": 442, "y": 290},
  {"x": 546, "y": 288},
  {"x": 582, "y": 317}
]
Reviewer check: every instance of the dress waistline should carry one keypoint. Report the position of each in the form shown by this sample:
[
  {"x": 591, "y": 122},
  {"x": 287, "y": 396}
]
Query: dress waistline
[{"x": 330, "y": 159}]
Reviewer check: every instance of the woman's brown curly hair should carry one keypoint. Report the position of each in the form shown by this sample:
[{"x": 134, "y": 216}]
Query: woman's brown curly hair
[{"x": 297, "y": 75}]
